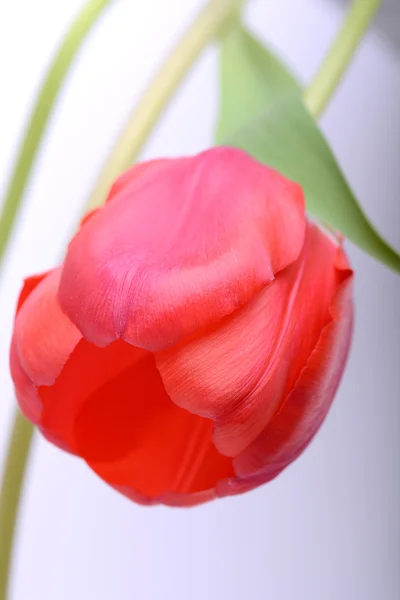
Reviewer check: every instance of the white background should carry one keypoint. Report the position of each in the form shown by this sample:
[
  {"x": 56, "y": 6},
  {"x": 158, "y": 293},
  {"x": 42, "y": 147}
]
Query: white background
[{"x": 328, "y": 527}]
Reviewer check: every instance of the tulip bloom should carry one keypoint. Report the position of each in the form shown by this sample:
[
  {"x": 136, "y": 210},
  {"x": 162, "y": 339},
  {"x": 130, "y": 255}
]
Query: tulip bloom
[{"x": 191, "y": 343}]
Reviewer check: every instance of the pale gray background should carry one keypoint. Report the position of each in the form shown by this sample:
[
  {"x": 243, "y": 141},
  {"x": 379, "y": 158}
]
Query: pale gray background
[{"x": 328, "y": 527}]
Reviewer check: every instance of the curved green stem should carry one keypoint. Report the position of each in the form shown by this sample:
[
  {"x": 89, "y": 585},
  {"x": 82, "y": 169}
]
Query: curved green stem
[
  {"x": 204, "y": 29},
  {"x": 10, "y": 498},
  {"x": 340, "y": 54},
  {"x": 41, "y": 113}
]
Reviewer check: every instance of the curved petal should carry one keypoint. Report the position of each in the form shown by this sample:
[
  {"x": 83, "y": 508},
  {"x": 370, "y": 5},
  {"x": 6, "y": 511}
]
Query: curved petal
[
  {"x": 30, "y": 283},
  {"x": 135, "y": 438},
  {"x": 87, "y": 369},
  {"x": 25, "y": 390},
  {"x": 42, "y": 341},
  {"x": 302, "y": 414},
  {"x": 183, "y": 243},
  {"x": 126, "y": 183},
  {"x": 240, "y": 373},
  {"x": 173, "y": 499},
  {"x": 44, "y": 337}
]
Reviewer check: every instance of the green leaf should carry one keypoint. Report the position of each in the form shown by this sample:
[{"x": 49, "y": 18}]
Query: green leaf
[{"x": 263, "y": 113}]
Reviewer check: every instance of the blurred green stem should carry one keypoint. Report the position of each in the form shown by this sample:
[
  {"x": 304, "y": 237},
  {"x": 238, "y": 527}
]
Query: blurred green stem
[
  {"x": 10, "y": 498},
  {"x": 359, "y": 17},
  {"x": 206, "y": 27},
  {"x": 42, "y": 110}
]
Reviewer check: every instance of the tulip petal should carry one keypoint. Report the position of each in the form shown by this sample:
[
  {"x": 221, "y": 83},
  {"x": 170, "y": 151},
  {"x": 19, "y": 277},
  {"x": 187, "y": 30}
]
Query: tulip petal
[
  {"x": 42, "y": 341},
  {"x": 44, "y": 336},
  {"x": 300, "y": 417},
  {"x": 241, "y": 372},
  {"x": 88, "y": 368},
  {"x": 139, "y": 441},
  {"x": 182, "y": 244},
  {"x": 26, "y": 391},
  {"x": 123, "y": 183},
  {"x": 30, "y": 283}
]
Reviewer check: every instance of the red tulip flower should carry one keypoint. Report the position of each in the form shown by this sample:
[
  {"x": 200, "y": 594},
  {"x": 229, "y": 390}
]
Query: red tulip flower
[{"x": 191, "y": 343}]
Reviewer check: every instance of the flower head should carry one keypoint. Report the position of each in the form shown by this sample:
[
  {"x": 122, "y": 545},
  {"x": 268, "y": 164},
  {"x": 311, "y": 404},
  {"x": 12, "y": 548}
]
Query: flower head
[{"x": 191, "y": 343}]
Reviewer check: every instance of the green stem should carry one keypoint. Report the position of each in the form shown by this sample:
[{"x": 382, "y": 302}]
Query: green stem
[
  {"x": 341, "y": 52},
  {"x": 41, "y": 113},
  {"x": 136, "y": 131},
  {"x": 10, "y": 498}
]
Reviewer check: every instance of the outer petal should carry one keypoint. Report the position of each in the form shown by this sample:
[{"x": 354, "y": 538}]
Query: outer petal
[
  {"x": 25, "y": 389},
  {"x": 42, "y": 341},
  {"x": 30, "y": 283},
  {"x": 128, "y": 180},
  {"x": 87, "y": 370},
  {"x": 241, "y": 373},
  {"x": 300, "y": 417},
  {"x": 132, "y": 434},
  {"x": 44, "y": 336},
  {"x": 183, "y": 243}
]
